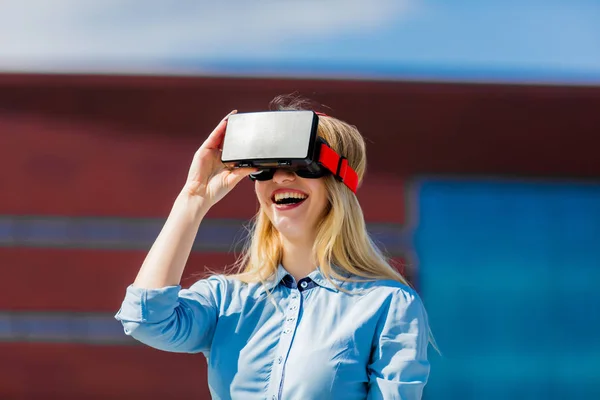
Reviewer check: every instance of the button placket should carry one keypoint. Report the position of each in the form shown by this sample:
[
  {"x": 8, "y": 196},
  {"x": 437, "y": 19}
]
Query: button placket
[{"x": 291, "y": 314}]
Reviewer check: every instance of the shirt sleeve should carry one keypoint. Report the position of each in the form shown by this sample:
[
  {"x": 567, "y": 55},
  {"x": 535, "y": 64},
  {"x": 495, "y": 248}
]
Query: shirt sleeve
[
  {"x": 171, "y": 318},
  {"x": 398, "y": 367}
]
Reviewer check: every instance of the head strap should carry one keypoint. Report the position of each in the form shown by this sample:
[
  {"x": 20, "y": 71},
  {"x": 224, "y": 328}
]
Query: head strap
[{"x": 338, "y": 165}]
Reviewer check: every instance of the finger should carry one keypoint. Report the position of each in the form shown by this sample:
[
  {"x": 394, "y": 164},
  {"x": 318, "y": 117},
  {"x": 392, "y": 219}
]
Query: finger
[
  {"x": 215, "y": 139},
  {"x": 236, "y": 175}
]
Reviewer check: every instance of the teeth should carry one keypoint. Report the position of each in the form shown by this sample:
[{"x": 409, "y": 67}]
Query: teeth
[{"x": 289, "y": 195}]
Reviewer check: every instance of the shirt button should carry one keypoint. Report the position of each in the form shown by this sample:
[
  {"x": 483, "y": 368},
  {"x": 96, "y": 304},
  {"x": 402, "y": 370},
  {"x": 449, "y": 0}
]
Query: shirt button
[
  {"x": 304, "y": 284},
  {"x": 287, "y": 331},
  {"x": 292, "y": 308},
  {"x": 290, "y": 319},
  {"x": 280, "y": 360}
]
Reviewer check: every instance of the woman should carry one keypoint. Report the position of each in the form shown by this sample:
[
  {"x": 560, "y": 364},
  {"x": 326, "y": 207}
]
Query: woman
[{"x": 316, "y": 311}]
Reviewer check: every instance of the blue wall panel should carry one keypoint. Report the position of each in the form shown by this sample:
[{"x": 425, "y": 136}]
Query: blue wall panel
[{"x": 509, "y": 272}]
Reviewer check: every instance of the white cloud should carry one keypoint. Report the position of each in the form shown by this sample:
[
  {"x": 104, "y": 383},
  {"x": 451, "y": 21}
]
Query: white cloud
[{"x": 77, "y": 32}]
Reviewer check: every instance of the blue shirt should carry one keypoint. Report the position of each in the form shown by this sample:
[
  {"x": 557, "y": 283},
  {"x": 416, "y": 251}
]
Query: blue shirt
[{"x": 306, "y": 340}]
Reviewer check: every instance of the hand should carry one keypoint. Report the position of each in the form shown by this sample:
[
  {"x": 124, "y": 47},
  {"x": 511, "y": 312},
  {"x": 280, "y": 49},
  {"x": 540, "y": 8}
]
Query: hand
[{"x": 208, "y": 177}]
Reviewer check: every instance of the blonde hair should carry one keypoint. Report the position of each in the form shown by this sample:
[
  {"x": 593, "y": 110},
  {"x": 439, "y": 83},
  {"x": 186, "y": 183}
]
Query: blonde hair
[{"x": 342, "y": 239}]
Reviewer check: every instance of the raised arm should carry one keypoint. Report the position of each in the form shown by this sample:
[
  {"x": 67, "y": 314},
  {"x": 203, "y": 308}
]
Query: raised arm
[
  {"x": 155, "y": 310},
  {"x": 208, "y": 182}
]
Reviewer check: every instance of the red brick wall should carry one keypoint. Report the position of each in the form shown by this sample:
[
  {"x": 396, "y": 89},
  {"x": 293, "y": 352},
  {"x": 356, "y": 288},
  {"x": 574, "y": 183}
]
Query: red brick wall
[{"x": 120, "y": 147}]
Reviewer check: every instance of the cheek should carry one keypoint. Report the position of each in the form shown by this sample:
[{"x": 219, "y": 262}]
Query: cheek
[
  {"x": 261, "y": 192},
  {"x": 324, "y": 206},
  {"x": 321, "y": 198}
]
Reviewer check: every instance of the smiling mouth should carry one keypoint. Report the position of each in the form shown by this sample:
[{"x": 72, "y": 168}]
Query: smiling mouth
[
  {"x": 286, "y": 199},
  {"x": 289, "y": 202}
]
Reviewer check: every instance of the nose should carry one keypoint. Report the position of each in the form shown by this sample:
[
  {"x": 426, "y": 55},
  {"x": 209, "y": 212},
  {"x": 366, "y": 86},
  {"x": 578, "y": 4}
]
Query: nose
[{"x": 282, "y": 175}]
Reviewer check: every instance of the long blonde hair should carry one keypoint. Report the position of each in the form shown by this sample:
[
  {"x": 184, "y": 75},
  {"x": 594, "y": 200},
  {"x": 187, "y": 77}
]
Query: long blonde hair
[{"x": 342, "y": 239}]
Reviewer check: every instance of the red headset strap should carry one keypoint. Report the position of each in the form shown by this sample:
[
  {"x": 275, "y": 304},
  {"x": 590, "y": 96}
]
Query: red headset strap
[{"x": 338, "y": 166}]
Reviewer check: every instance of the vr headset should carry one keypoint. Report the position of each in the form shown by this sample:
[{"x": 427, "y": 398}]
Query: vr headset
[{"x": 283, "y": 139}]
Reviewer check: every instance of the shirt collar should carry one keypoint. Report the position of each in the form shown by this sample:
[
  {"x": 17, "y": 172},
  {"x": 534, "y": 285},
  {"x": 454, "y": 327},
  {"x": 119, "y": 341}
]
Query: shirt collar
[
  {"x": 276, "y": 278},
  {"x": 316, "y": 275}
]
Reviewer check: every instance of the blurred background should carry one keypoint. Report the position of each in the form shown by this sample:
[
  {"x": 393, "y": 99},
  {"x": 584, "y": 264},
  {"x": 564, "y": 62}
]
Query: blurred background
[{"x": 482, "y": 123}]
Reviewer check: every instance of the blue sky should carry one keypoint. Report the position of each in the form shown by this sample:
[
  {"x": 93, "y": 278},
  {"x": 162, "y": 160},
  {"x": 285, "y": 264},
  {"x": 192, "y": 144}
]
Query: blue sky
[{"x": 459, "y": 40}]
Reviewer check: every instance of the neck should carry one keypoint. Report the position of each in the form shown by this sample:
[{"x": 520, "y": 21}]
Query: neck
[{"x": 298, "y": 257}]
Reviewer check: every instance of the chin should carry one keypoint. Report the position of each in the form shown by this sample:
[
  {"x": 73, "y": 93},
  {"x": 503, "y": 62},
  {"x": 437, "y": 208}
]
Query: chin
[{"x": 292, "y": 232}]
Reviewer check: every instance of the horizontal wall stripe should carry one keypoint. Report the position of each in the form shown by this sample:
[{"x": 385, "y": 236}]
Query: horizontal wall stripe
[
  {"x": 139, "y": 233},
  {"x": 82, "y": 280},
  {"x": 86, "y": 328},
  {"x": 72, "y": 371},
  {"x": 60, "y": 174}
]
